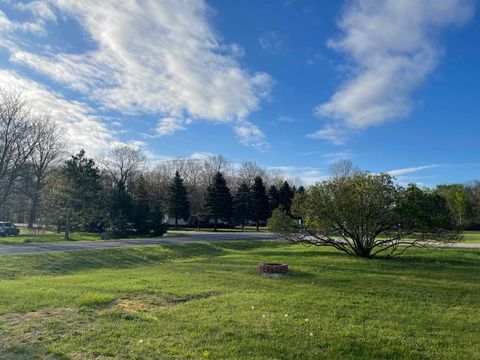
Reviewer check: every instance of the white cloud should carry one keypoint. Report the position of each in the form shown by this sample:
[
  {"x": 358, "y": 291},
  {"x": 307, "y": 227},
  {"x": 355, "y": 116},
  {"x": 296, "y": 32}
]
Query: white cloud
[
  {"x": 169, "y": 125},
  {"x": 410, "y": 170},
  {"x": 201, "y": 155},
  {"x": 336, "y": 156},
  {"x": 81, "y": 127},
  {"x": 7, "y": 26},
  {"x": 393, "y": 48},
  {"x": 38, "y": 8},
  {"x": 271, "y": 42},
  {"x": 285, "y": 119},
  {"x": 250, "y": 135},
  {"x": 307, "y": 175},
  {"x": 157, "y": 57},
  {"x": 332, "y": 133}
]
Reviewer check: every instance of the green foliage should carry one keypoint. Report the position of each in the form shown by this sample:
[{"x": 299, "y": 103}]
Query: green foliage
[
  {"x": 459, "y": 203},
  {"x": 424, "y": 210},
  {"x": 286, "y": 195},
  {"x": 273, "y": 198},
  {"x": 120, "y": 213},
  {"x": 178, "y": 205},
  {"x": 364, "y": 214},
  {"x": 242, "y": 205},
  {"x": 148, "y": 216},
  {"x": 218, "y": 200},
  {"x": 260, "y": 206},
  {"x": 76, "y": 197},
  {"x": 281, "y": 222}
]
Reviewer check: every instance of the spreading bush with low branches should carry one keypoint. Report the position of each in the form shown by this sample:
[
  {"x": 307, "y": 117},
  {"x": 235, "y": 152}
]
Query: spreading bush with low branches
[{"x": 364, "y": 214}]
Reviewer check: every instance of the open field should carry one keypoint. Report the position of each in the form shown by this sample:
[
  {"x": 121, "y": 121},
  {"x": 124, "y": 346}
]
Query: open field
[{"x": 206, "y": 300}]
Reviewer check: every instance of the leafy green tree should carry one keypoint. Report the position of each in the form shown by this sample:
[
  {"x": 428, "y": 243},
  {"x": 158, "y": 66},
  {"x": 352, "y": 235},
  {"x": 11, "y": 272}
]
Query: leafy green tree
[
  {"x": 365, "y": 214},
  {"x": 273, "y": 198},
  {"x": 459, "y": 203},
  {"x": 218, "y": 200},
  {"x": 260, "y": 206},
  {"x": 76, "y": 196},
  {"x": 286, "y": 196},
  {"x": 300, "y": 190},
  {"x": 178, "y": 204},
  {"x": 473, "y": 190},
  {"x": 242, "y": 205}
]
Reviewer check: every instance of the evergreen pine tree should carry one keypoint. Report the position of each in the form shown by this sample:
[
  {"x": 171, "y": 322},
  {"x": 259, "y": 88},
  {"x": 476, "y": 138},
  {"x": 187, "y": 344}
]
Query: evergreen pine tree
[
  {"x": 286, "y": 196},
  {"x": 273, "y": 198},
  {"x": 120, "y": 211},
  {"x": 218, "y": 200},
  {"x": 141, "y": 207},
  {"x": 148, "y": 216},
  {"x": 260, "y": 206},
  {"x": 178, "y": 205},
  {"x": 77, "y": 195},
  {"x": 242, "y": 205}
]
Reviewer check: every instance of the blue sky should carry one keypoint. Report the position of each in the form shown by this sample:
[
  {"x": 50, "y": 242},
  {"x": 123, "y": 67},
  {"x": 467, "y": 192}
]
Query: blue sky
[{"x": 295, "y": 84}]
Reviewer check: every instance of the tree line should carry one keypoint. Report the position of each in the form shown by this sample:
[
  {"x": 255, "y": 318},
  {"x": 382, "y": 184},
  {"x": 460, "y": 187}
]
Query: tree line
[{"x": 118, "y": 191}]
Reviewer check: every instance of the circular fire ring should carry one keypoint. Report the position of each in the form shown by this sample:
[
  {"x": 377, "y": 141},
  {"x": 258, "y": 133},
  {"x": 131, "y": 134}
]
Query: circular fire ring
[{"x": 273, "y": 268}]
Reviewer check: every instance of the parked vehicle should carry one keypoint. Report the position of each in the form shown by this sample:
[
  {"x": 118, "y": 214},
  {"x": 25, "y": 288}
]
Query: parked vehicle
[{"x": 8, "y": 229}]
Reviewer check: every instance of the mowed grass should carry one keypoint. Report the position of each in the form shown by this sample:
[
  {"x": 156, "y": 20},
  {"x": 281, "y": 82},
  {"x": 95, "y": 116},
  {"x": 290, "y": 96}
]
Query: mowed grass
[
  {"x": 207, "y": 301},
  {"x": 35, "y": 237},
  {"x": 471, "y": 237}
]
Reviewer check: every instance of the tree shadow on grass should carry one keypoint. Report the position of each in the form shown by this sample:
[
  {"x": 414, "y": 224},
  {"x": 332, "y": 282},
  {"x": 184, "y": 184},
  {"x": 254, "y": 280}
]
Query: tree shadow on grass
[{"x": 60, "y": 263}]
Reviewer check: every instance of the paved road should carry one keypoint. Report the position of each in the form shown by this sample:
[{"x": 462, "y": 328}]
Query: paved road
[{"x": 109, "y": 244}]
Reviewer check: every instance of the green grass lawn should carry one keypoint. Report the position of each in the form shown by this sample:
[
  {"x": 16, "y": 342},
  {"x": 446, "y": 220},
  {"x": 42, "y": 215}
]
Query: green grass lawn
[
  {"x": 26, "y": 237},
  {"x": 206, "y": 301},
  {"x": 235, "y": 229},
  {"x": 472, "y": 237}
]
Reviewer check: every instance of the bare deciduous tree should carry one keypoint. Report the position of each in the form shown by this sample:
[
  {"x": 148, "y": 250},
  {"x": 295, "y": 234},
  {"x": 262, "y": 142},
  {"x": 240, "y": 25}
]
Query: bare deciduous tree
[
  {"x": 18, "y": 139},
  {"x": 49, "y": 150},
  {"x": 247, "y": 173},
  {"x": 343, "y": 168},
  {"x": 122, "y": 164}
]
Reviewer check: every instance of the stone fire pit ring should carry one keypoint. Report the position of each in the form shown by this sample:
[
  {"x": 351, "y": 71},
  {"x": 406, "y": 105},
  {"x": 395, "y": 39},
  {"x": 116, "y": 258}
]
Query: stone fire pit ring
[{"x": 273, "y": 268}]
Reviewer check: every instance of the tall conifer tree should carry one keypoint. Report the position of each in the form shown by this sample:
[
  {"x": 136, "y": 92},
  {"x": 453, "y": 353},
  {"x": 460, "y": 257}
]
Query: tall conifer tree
[
  {"x": 178, "y": 205},
  {"x": 260, "y": 206},
  {"x": 218, "y": 200},
  {"x": 242, "y": 204}
]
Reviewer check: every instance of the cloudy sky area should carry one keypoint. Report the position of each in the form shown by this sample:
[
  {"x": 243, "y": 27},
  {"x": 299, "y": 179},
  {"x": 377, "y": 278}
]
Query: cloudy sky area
[{"x": 294, "y": 84}]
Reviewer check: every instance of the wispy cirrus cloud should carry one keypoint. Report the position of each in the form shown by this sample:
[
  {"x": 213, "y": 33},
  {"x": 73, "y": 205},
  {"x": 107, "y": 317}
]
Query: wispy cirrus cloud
[
  {"x": 83, "y": 129},
  {"x": 411, "y": 170},
  {"x": 154, "y": 57},
  {"x": 393, "y": 47}
]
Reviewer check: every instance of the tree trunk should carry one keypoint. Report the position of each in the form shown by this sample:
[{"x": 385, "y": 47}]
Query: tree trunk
[
  {"x": 243, "y": 226},
  {"x": 67, "y": 230},
  {"x": 32, "y": 217},
  {"x": 215, "y": 226},
  {"x": 258, "y": 226},
  {"x": 176, "y": 223}
]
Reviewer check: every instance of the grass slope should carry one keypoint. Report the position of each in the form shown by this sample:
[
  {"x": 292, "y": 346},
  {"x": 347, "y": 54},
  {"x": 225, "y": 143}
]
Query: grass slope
[
  {"x": 200, "y": 301},
  {"x": 29, "y": 237}
]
